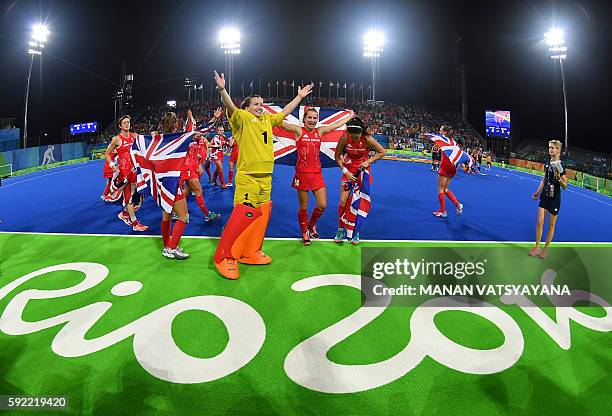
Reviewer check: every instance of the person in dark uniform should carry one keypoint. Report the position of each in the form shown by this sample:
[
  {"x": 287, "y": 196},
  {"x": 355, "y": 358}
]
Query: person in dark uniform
[
  {"x": 549, "y": 193},
  {"x": 435, "y": 158}
]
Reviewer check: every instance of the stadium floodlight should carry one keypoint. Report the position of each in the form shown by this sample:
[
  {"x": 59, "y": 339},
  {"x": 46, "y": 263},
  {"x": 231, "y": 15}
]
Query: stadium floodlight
[
  {"x": 555, "y": 39},
  {"x": 38, "y": 38},
  {"x": 373, "y": 43},
  {"x": 229, "y": 39}
]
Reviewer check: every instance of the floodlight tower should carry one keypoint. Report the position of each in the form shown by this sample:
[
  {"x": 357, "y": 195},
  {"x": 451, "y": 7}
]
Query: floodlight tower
[
  {"x": 229, "y": 38},
  {"x": 36, "y": 46},
  {"x": 558, "y": 52},
  {"x": 373, "y": 42}
]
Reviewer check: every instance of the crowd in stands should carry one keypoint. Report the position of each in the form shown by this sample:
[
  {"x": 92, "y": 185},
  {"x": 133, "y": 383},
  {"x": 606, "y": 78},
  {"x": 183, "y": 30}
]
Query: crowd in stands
[{"x": 401, "y": 123}]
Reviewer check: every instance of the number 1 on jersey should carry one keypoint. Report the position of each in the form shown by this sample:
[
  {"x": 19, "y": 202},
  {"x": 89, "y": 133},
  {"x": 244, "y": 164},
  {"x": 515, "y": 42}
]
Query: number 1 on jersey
[{"x": 265, "y": 136}]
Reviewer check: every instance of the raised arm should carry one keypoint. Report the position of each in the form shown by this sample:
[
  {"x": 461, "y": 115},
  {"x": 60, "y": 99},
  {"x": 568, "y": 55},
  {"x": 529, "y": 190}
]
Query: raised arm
[
  {"x": 293, "y": 128},
  {"x": 302, "y": 93},
  {"x": 211, "y": 123},
  {"x": 227, "y": 100},
  {"x": 326, "y": 129}
]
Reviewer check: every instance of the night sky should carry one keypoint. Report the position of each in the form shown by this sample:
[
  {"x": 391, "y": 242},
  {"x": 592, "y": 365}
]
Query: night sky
[{"x": 500, "y": 44}]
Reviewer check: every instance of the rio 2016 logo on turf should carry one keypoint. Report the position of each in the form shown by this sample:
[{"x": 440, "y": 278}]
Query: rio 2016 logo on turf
[{"x": 307, "y": 363}]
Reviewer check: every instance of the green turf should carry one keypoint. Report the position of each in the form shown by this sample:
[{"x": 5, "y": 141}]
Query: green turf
[{"x": 545, "y": 380}]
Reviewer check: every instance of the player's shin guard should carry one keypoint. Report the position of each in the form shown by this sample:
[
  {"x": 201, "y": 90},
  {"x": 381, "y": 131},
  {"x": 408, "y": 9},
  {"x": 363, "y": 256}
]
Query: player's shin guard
[
  {"x": 165, "y": 231},
  {"x": 201, "y": 204},
  {"x": 177, "y": 233},
  {"x": 233, "y": 239},
  {"x": 442, "y": 203},
  {"x": 303, "y": 220},
  {"x": 340, "y": 214},
  {"x": 314, "y": 217},
  {"x": 451, "y": 196},
  {"x": 252, "y": 253}
]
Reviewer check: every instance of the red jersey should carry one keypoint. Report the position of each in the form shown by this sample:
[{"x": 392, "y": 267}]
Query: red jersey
[
  {"x": 123, "y": 151},
  {"x": 203, "y": 148},
  {"x": 355, "y": 153},
  {"x": 191, "y": 159},
  {"x": 308, "y": 149},
  {"x": 217, "y": 142}
]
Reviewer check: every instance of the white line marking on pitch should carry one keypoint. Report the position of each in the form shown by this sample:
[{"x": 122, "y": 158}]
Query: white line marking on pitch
[
  {"x": 41, "y": 176},
  {"x": 206, "y": 237},
  {"x": 569, "y": 190}
]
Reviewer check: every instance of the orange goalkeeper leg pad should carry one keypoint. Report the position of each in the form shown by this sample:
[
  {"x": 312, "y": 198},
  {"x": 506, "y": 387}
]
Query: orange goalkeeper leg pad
[
  {"x": 254, "y": 237},
  {"x": 233, "y": 241}
]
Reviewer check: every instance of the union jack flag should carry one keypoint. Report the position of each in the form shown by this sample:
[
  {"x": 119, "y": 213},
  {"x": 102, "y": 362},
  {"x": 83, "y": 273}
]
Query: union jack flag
[
  {"x": 284, "y": 141},
  {"x": 158, "y": 160},
  {"x": 358, "y": 206},
  {"x": 451, "y": 149}
]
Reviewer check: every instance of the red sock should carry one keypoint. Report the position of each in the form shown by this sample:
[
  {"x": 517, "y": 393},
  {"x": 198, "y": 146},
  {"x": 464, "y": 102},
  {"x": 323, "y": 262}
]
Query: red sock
[
  {"x": 214, "y": 178},
  {"x": 340, "y": 213},
  {"x": 303, "y": 219},
  {"x": 177, "y": 233},
  {"x": 222, "y": 179},
  {"x": 441, "y": 199},
  {"x": 314, "y": 217},
  {"x": 165, "y": 230},
  {"x": 201, "y": 204},
  {"x": 108, "y": 183},
  {"x": 231, "y": 176},
  {"x": 451, "y": 196}
]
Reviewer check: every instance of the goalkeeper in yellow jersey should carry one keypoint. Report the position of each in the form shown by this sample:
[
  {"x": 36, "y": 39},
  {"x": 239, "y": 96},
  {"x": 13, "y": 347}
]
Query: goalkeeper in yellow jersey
[{"x": 243, "y": 235}]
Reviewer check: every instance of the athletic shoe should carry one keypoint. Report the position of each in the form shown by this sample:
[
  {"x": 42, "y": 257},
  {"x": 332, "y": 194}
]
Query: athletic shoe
[
  {"x": 211, "y": 216},
  {"x": 305, "y": 239},
  {"x": 355, "y": 239},
  {"x": 459, "y": 209},
  {"x": 230, "y": 185},
  {"x": 125, "y": 217},
  {"x": 176, "y": 253},
  {"x": 138, "y": 226},
  {"x": 534, "y": 252},
  {"x": 542, "y": 254},
  {"x": 259, "y": 258},
  {"x": 228, "y": 268},
  {"x": 224, "y": 186},
  {"x": 166, "y": 252},
  {"x": 312, "y": 232},
  {"x": 215, "y": 184},
  {"x": 441, "y": 214},
  {"x": 340, "y": 235}
]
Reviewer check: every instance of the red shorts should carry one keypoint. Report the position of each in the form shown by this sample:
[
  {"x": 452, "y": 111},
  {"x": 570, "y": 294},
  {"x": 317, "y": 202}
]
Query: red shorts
[
  {"x": 108, "y": 172},
  {"x": 218, "y": 155},
  {"x": 447, "y": 168},
  {"x": 234, "y": 155},
  {"x": 130, "y": 175},
  {"x": 308, "y": 181},
  {"x": 189, "y": 174}
]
